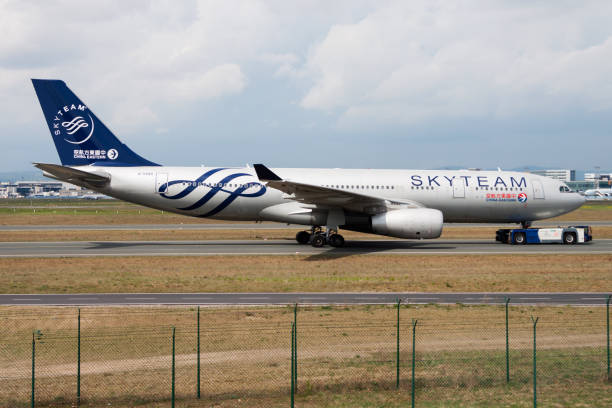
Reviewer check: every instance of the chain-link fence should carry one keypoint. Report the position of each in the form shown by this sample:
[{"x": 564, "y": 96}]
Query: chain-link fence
[{"x": 338, "y": 356}]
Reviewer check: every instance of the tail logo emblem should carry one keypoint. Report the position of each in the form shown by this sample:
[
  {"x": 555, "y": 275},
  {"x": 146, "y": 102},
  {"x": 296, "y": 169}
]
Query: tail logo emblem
[
  {"x": 74, "y": 121},
  {"x": 77, "y": 124},
  {"x": 74, "y": 125}
]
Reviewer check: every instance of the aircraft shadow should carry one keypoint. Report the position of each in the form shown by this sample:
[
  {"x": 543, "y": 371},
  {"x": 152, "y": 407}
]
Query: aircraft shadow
[{"x": 370, "y": 247}]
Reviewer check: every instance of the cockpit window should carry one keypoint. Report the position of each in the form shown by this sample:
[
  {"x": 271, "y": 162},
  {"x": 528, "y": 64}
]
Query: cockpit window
[{"x": 564, "y": 189}]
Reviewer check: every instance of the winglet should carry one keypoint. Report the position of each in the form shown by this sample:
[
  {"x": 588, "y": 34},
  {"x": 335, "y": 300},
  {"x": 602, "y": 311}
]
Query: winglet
[{"x": 265, "y": 174}]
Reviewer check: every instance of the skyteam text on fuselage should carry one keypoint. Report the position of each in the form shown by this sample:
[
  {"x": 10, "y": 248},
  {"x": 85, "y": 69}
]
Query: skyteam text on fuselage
[{"x": 398, "y": 203}]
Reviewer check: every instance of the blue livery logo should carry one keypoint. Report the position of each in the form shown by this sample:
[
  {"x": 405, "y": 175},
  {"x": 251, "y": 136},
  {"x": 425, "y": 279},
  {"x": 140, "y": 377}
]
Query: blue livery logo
[{"x": 213, "y": 189}]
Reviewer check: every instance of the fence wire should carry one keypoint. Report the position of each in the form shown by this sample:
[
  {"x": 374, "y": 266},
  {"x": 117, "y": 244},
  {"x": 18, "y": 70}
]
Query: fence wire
[{"x": 349, "y": 353}]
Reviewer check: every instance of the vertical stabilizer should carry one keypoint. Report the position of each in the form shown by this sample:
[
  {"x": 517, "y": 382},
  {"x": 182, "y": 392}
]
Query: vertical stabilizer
[{"x": 79, "y": 136}]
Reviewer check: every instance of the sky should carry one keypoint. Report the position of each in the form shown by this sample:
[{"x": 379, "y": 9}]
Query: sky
[{"x": 356, "y": 84}]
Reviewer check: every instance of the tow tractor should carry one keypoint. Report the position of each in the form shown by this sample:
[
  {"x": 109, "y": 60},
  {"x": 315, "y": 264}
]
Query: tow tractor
[{"x": 563, "y": 235}]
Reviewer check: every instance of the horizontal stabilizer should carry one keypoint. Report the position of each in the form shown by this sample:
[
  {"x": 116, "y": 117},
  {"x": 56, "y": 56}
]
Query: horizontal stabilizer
[{"x": 74, "y": 176}]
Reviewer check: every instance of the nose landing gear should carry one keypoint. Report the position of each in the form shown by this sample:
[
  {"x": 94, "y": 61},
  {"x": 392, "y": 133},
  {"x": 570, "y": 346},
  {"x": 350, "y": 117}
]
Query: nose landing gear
[{"x": 318, "y": 238}]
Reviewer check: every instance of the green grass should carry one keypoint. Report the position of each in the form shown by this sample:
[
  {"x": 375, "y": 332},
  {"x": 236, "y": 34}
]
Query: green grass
[{"x": 346, "y": 356}]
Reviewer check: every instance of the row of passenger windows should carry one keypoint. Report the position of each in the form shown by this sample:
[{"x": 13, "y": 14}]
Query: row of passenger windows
[
  {"x": 359, "y": 187},
  {"x": 354, "y": 187},
  {"x": 481, "y": 188}
]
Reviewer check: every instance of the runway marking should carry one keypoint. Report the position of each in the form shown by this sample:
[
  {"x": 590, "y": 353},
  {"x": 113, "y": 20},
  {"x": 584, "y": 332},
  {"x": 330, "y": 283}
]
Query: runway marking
[
  {"x": 313, "y": 298},
  {"x": 197, "y": 298},
  {"x": 254, "y": 298},
  {"x": 26, "y": 299},
  {"x": 367, "y": 298},
  {"x": 140, "y": 298},
  {"x": 82, "y": 298},
  {"x": 596, "y": 298},
  {"x": 535, "y": 298}
]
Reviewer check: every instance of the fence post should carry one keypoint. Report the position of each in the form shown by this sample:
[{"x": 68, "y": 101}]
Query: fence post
[
  {"x": 608, "y": 333},
  {"x": 198, "y": 368},
  {"x": 173, "y": 364},
  {"x": 535, "y": 388},
  {"x": 79, "y": 359},
  {"x": 397, "y": 351},
  {"x": 33, "y": 370},
  {"x": 507, "y": 344},
  {"x": 414, "y": 324},
  {"x": 292, "y": 364},
  {"x": 295, "y": 364}
]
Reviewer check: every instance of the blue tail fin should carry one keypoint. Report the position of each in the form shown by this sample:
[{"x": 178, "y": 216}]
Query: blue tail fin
[{"x": 79, "y": 136}]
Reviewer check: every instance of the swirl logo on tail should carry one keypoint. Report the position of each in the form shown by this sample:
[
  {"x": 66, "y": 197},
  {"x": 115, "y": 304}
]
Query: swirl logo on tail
[
  {"x": 214, "y": 189},
  {"x": 74, "y": 125}
]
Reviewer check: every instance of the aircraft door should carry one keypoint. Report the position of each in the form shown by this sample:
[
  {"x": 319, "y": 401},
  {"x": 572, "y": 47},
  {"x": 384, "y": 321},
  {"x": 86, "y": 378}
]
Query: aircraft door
[
  {"x": 458, "y": 188},
  {"x": 161, "y": 183},
  {"x": 538, "y": 190}
]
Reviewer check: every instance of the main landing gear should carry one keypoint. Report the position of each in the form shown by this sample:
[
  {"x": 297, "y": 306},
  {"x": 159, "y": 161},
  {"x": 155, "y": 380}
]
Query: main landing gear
[{"x": 318, "y": 238}]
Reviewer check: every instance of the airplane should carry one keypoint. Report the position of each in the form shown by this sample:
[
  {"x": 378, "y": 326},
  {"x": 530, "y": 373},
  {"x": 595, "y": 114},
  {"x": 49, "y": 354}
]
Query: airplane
[
  {"x": 410, "y": 204},
  {"x": 598, "y": 194}
]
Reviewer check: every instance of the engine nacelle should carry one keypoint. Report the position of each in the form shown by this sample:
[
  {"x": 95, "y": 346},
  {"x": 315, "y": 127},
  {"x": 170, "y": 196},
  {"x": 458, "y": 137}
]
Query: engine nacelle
[{"x": 409, "y": 223}]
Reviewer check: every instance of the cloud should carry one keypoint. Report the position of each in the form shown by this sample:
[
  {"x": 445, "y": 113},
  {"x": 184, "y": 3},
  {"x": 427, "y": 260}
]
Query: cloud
[
  {"x": 410, "y": 62},
  {"x": 354, "y": 76},
  {"x": 136, "y": 54}
]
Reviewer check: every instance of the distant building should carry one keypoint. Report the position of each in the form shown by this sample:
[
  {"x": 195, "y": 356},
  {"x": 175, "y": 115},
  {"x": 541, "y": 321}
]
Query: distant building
[
  {"x": 563, "y": 175},
  {"x": 602, "y": 176},
  {"x": 45, "y": 189}
]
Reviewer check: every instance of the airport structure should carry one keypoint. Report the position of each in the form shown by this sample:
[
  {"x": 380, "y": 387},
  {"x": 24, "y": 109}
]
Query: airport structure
[
  {"x": 44, "y": 189},
  {"x": 563, "y": 175}
]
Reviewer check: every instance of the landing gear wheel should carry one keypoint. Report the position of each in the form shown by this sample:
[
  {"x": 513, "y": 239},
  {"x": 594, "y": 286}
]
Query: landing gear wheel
[
  {"x": 519, "y": 238},
  {"x": 318, "y": 241},
  {"x": 569, "y": 238},
  {"x": 302, "y": 237},
  {"x": 336, "y": 240}
]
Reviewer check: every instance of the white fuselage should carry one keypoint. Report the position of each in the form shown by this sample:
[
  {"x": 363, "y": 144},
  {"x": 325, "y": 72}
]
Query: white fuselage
[{"x": 237, "y": 193}]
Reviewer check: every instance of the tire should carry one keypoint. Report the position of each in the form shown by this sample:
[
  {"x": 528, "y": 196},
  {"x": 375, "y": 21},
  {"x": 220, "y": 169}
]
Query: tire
[
  {"x": 336, "y": 240},
  {"x": 318, "y": 241},
  {"x": 569, "y": 238},
  {"x": 302, "y": 237},
  {"x": 519, "y": 238}
]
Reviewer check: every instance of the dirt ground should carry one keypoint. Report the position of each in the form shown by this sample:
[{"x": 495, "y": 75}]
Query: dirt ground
[{"x": 309, "y": 273}]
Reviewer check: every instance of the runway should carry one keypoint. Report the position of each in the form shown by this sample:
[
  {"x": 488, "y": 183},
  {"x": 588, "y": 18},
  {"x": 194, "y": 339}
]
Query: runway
[
  {"x": 212, "y": 299},
  {"x": 252, "y": 225},
  {"x": 288, "y": 247}
]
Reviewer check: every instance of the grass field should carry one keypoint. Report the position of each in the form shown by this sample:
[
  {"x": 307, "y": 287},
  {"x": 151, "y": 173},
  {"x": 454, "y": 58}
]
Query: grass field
[
  {"x": 589, "y": 273},
  {"x": 346, "y": 356},
  {"x": 84, "y": 212}
]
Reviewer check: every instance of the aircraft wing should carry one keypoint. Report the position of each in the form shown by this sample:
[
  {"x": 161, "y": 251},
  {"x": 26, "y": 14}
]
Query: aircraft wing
[
  {"x": 74, "y": 176},
  {"x": 326, "y": 197}
]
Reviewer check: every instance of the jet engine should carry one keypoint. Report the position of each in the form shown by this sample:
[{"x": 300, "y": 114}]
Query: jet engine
[{"x": 409, "y": 223}]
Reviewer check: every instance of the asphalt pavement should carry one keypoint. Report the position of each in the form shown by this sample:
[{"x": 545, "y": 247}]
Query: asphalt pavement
[
  {"x": 211, "y": 299},
  {"x": 288, "y": 247}
]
